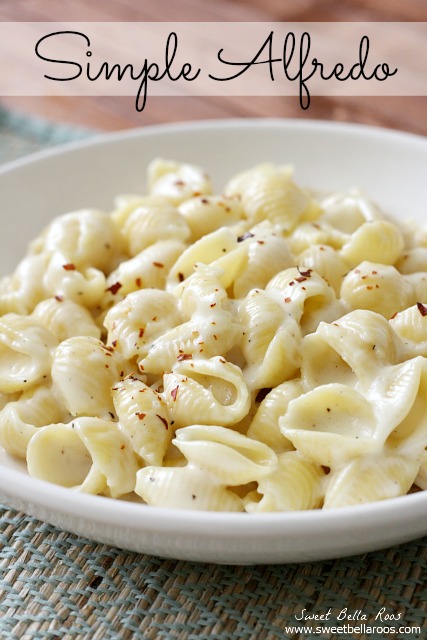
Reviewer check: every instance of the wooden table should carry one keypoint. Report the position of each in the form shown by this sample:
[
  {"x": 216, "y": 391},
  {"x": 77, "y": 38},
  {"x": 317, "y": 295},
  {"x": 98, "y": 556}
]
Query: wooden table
[{"x": 119, "y": 113}]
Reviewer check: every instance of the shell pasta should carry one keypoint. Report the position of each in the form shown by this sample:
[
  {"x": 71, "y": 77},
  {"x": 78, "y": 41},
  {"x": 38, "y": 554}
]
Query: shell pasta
[{"x": 255, "y": 350}]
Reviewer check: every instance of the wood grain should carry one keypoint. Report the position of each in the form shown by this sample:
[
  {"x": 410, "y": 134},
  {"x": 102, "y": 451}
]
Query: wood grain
[{"x": 110, "y": 113}]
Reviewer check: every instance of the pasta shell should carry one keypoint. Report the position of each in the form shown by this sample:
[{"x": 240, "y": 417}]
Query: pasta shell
[
  {"x": 412, "y": 260},
  {"x": 411, "y": 326},
  {"x": 265, "y": 424},
  {"x": 25, "y": 352},
  {"x": 402, "y": 398},
  {"x": 83, "y": 372},
  {"x": 205, "y": 214},
  {"x": 135, "y": 322},
  {"x": 379, "y": 241},
  {"x": 20, "y": 292},
  {"x": 230, "y": 456},
  {"x": 65, "y": 319},
  {"x": 296, "y": 484},
  {"x": 309, "y": 296},
  {"x": 148, "y": 269},
  {"x": 206, "y": 250},
  {"x": 369, "y": 479},
  {"x": 271, "y": 349},
  {"x": 267, "y": 254},
  {"x": 206, "y": 391},
  {"x": 89, "y": 454},
  {"x": 268, "y": 192},
  {"x": 186, "y": 487},
  {"x": 144, "y": 418},
  {"x": 177, "y": 181},
  {"x": 20, "y": 418},
  {"x": 327, "y": 262},
  {"x": 147, "y": 225},
  {"x": 86, "y": 238},
  {"x": 347, "y": 211},
  {"x": 421, "y": 479},
  {"x": 64, "y": 280},
  {"x": 377, "y": 288},
  {"x": 316, "y": 233},
  {"x": 352, "y": 349},
  {"x": 331, "y": 424}
]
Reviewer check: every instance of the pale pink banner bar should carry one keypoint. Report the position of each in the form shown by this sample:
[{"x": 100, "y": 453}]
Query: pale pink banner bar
[{"x": 213, "y": 59}]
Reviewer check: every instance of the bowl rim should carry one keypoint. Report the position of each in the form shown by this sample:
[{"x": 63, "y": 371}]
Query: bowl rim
[
  {"x": 136, "y": 515},
  {"x": 98, "y": 138}
]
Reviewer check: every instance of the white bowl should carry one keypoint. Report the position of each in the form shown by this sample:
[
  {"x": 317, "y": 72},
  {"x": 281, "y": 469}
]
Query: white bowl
[{"x": 388, "y": 166}]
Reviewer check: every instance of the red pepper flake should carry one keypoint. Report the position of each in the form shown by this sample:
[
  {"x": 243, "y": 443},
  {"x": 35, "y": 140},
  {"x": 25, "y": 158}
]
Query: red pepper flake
[
  {"x": 369, "y": 287},
  {"x": 204, "y": 201},
  {"x": 179, "y": 183},
  {"x": 181, "y": 277},
  {"x": 69, "y": 266},
  {"x": 109, "y": 350},
  {"x": 287, "y": 299},
  {"x": 138, "y": 282},
  {"x": 291, "y": 284},
  {"x": 160, "y": 265},
  {"x": 306, "y": 273},
  {"x": 114, "y": 343},
  {"x": 261, "y": 241},
  {"x": 174, "y": 392},
  {"x": 59, "y": 298},
  {"x": 184, "y": 356},
  {"x": 141, "y": 416},
  {"x": 215, "y": 337},
  {"x": 165, "y": 422},
  {"x": 141, "y": 332},
  {"x": 213, "y": 305},
  {"x": 114, "y": 287},
  {"x": 300, "y": 279},
  {"x": 422, "y": 308},
  {"x": 122, "y": 447}
]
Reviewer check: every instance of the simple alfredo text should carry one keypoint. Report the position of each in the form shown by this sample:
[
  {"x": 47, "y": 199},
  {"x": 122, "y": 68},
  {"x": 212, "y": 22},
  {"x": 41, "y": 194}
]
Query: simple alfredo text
[{"x": 295, "y": 64}]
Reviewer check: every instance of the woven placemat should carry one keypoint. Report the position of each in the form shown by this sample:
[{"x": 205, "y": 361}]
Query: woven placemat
[{"x": 58, "y": 585}]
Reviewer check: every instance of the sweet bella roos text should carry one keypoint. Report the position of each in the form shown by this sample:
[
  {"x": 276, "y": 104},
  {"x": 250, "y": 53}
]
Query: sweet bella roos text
[{"x": 293, "y": 63}]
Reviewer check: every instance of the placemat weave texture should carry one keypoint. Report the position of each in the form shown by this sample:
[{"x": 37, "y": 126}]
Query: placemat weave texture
[{"x": 58, "y": 585}]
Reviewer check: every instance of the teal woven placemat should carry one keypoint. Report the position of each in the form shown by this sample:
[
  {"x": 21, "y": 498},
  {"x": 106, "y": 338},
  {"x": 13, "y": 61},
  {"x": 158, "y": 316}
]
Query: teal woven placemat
[
  {"x": 58, "y": 585},
  {"x": 20, "y": 135}
]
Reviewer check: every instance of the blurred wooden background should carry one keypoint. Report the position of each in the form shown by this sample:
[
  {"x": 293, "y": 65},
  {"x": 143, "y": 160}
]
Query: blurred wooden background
[{"x": 404, "y": 113}]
